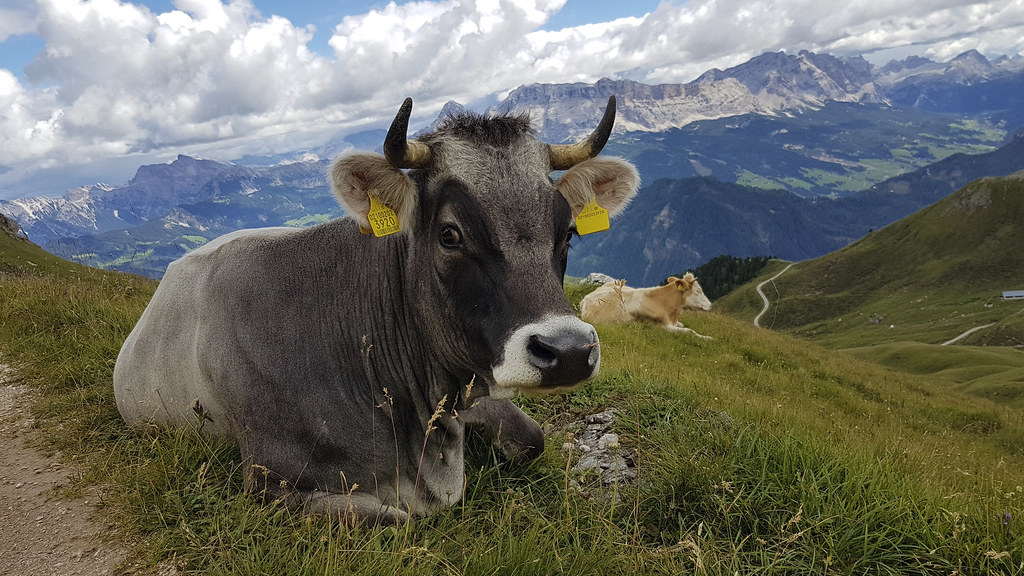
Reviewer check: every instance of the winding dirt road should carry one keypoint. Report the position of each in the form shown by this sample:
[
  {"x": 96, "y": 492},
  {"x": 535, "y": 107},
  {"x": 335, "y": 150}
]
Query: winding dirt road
[
  {"x": 767, "y": 304},
  {"x": 966, "y": 334}
]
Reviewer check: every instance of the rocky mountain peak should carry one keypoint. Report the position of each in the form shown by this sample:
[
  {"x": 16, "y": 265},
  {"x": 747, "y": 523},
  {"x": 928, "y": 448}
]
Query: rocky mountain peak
[
  {"x": 971, "y": 58},
  {"x": 968, "y": 68},
  {"x": 906, "y": 64},
  {"x": 450, "y": 108},
  {"x": 85, "y": 193},
  {"x": 181, "y": 165},
  {"x": 792, "y": 81}
]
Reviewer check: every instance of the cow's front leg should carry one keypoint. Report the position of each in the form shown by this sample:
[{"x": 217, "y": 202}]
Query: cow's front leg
[
  {"x": 678, "y": 327},
  {"x": 354, "y": 506},
  {"x": 518, "y": 436}
]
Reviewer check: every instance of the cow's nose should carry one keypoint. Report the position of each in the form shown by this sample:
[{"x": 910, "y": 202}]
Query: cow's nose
[
  {"x": 552, "y": 355},
  {"x": 564, "y": 358}
]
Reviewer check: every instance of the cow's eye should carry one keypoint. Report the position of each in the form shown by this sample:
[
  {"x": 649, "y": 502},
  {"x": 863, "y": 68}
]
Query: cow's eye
[
  {"x": 450, "y": 237},
  {"x": 569, "y": 235}
]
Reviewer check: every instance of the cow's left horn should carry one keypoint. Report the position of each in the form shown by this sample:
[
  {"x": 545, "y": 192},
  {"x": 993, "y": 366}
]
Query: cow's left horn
[
  {"x": 565, "y": 156},
  {"x": 403, "y": 153}
]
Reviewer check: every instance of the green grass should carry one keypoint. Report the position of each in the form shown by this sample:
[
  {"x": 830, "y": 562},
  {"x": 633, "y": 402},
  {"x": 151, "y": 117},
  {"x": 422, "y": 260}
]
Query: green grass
[
  {"x": 885, "y": 169},
  {"x": 796, "y": 184},
  {"x": 931, "y": 317},
  {"x": 748, "y": 178},
  {"x": 758, "y": 453},
  {"x": 126, "y": 259},
  {"x": 979, "y": 130},
  {"x": 991, "y": 372},
  {"x": 834, "y": 180}
]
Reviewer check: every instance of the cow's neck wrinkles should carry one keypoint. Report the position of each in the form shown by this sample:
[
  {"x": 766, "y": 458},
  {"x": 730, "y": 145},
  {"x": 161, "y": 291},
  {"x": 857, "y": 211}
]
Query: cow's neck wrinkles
[
  {"x": 388, "y": 341},
  {"x": 396, "y": 359}
]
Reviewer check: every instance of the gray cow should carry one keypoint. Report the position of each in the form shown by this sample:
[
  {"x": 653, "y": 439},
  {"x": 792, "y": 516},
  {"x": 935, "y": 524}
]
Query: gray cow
[{"x": 346, "y": 365}]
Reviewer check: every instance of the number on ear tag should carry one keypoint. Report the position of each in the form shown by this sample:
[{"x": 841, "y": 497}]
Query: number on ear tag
[
  {"x": 383, "y": 220},
  {"x": 592, "y": 218}
]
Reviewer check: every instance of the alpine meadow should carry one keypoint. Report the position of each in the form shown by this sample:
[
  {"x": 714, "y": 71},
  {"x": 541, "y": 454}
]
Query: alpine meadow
[{"x": 755, "y": 452}]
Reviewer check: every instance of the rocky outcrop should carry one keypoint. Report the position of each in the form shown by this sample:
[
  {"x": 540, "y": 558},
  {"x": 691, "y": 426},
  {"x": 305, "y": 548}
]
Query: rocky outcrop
[
  {"x": 10, "y": 227},
  {"x": 596, "y": 453}
]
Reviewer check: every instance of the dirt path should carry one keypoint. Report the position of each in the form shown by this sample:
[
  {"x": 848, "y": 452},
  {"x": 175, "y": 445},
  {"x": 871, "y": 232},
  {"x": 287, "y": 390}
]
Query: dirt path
[
  {"x": 966, "y": 334},
  {"x": 42, "y": 533},
  {"x": 767, "y": 304}
]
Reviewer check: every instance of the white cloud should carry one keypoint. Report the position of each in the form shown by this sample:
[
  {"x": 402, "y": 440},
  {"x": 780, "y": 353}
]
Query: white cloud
[
  {"x": 220, "y": 78},
  {"x": 15, "y": 19}
]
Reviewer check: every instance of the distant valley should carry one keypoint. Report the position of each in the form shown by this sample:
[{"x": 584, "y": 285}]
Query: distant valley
[{"x": 677, "y": 224}]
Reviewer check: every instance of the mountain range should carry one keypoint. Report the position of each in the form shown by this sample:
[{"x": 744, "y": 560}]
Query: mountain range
[
  {"x": 790, "y": 155},
  {"x": 158, "y": 191},
  {"x": 776, "y": 84}
]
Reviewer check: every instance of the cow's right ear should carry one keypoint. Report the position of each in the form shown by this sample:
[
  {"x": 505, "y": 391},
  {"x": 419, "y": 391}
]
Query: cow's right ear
[
  {"x": 354, "y": 177},
  {"x": 611, "y": 181}
]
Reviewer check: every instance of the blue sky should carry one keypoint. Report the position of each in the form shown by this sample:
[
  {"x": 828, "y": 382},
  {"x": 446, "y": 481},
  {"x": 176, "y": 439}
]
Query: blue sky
[{"x": 92, "y": 89}]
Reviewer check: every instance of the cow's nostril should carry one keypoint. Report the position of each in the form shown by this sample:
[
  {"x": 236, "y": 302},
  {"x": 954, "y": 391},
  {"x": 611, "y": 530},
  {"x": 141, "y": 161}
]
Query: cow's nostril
[
  {"x": 543, "y": 352},
  {"x": 563, "y": 357}
]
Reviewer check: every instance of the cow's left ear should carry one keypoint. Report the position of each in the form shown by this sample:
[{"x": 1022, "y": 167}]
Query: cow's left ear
[
  {"x": 354, "y": 177},
  {"x": 611, "y": 181}
]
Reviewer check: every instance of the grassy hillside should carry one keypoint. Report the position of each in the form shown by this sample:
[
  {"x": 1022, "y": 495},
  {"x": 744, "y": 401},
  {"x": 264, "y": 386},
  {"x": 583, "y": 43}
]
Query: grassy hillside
[
  {"x": 757, "y": 453},
  {"x": 19, "y": 257},
  {"x": 926, "y": 278},
  {"x": 996, "y": 373}
]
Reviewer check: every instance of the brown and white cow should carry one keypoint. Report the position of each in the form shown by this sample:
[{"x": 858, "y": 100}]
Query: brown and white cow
[
  {"x": 616, "y": 303},
  {"x": 348, "y": 365}
]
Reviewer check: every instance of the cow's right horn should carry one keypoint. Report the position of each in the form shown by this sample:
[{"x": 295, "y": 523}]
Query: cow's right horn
[
  {"x": 399, "y": 151},
  {"x": 565, "y": 156}
]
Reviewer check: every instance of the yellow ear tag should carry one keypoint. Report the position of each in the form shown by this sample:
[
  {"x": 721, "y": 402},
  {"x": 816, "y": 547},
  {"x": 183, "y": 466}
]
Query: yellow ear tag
[
  {"x": 592, "y": 218},
  {"x": 382, "y": 219}
]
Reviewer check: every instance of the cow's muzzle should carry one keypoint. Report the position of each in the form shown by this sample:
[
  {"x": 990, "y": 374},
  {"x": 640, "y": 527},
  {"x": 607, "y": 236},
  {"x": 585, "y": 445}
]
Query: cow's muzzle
[{"x": 553, "y": 355}]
